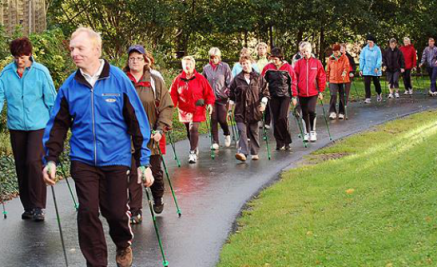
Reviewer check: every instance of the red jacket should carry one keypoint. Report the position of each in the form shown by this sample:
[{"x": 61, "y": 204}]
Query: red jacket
[
  {"x": 186, "y": 92},
  {"x": 410, "y": 56},
  {"x": 311, "y": 77},
  {"x": 282, "y": 81}
]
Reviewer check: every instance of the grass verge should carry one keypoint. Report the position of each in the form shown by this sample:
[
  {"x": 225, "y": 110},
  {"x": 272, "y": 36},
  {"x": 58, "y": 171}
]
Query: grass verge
[{"x": 375, "y": 205}]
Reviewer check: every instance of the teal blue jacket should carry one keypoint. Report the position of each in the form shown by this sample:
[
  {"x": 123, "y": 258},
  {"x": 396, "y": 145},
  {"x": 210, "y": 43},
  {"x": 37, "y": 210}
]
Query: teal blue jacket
[
  {"x": 371, "y": 59},
  {"x": 29, "y": 99}
]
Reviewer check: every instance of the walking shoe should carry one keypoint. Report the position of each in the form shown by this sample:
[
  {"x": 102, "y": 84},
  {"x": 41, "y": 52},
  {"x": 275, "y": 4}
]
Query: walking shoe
[
  {"x": 333, "y": 115},
  {"x": 192, "y": 157},
  {"x": 379, "y": 98},
  {"x": 367, "y": 101},
  {"x": 255, "y": 157},
  {"x": 215, "y": 146},
  {"x": 240, "y": 156},
  {"x": 407, "y": 92},
  {"x": 341, "y": 116},
  {"x": 306, "y": 137},
  {"x": 280, "y": 148},
  {"x": 27, "y": 214},
  {"x": 430, "y": 93},
  {"x": 136, "y": 217},
  {"x": 124, "y": 257},
  {"x": 313, "y": 136},
  {"x": 287, "y": 147},
  {"x": 410, "y": 91},
  {"x": 267, "y": 126},
  {"x": 397, "y": 95},
  {"x": 227, "y": 140},
  {"x": 38, "y": 215},
  {"x": 158, "y": 205},
  {"x": 390, "y": 95}
]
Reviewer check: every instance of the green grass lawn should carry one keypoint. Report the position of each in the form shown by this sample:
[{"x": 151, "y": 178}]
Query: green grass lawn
[{"x": 370, "y": 200}]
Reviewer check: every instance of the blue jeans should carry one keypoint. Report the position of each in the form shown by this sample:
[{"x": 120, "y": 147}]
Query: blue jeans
[{"x": 433, "y": 79}]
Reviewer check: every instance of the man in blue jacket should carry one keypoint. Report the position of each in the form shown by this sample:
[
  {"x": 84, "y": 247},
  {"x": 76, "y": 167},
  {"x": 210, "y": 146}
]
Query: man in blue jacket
[
  {"x": 101, "y": 107},
  {"x": 29, "y": 92}
]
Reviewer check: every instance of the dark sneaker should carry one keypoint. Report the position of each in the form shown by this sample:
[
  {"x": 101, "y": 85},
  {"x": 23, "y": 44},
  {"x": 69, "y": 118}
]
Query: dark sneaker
[
  {"x": 27, "y": 214},
  {"x": 38, "y": 215},
  {"x": 137, "y": 217},
  {"x": 158, "y": 206},
  {"x": 124, "y": 257}
]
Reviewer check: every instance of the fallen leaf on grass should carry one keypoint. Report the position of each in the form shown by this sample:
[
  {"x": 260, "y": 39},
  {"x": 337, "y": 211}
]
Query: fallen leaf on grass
[
  {"x": 389, "y": 264},
  {"x": 350, "y": 191}
]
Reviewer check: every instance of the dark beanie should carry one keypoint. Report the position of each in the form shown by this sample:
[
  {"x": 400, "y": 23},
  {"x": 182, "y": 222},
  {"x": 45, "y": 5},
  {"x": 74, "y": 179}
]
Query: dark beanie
[
  {"x": 277, "y": 52},
  {"x": 371, "y": 38}
]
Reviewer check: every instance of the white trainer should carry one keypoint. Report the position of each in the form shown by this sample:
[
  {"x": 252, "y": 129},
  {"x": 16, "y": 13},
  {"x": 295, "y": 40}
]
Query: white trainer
[
  {"x": 313, "y": 136},
  {"x": 397, "y": 95},
  {"x": 306, "y": 137},
  {"x": 333, "y": 115},
  {"x": 410, "y": 91},
  {"x": 390, "y": 95},
  {"x": 367, "y": 101},
  {"x": 227, "y": 140},
  {"x": 215, "y": 146},
  {"x": 192, "y": 157},
  {"x": 341, "y": 116}
]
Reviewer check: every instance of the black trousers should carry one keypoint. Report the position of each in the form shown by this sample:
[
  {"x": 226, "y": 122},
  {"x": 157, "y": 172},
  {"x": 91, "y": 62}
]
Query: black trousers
[
  {"x": 367, "y": 81},
  {"x": 101, "y": 189},
  {"x": 136, "y": 189},
  {"x": 308, "y": 106},
  {"x": 28, "y": 152},
  {"x": 337, "y": 89},
  {"x": 219, "y": 116},
  {"x": 279, "y": 106},
  {"x": 407, "y": 79}
]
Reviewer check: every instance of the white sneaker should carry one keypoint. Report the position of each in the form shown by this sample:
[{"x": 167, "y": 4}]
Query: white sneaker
[
  {"x": 397, "y": 95},
  {"x": 407, "y": 92},
  {"x": 192, "y": 157},
  {"x": 430, "y": 93},
  {"x": 367, "y": 101},
  {"x": 255, "y": 157},
  {"x": 313, "y": 136},
  {"x": 306, "y": 137},
  {"x": 341, "y": 116},
  {"x": 333, "y": 115},
  {"x": 267, "y": 126},
  {"x": 390, "y": 96},
  {"x": 215, "y": 146},
  {"x": 227, "y": 140},
  {"x": 379, "y": 98},
  {"x": 410, "y": 91}
]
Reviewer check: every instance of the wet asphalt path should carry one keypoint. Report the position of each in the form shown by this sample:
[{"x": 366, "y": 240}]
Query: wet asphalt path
[{"x": 211, "y": 194}]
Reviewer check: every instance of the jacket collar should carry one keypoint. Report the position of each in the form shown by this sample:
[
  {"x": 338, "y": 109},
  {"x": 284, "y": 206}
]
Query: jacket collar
[
  {"x": 240, "y": 76},
  {"x": 143, "y": 82},
  {"x": 184, "y": 76},
  {"x": 105, "y": 74}
]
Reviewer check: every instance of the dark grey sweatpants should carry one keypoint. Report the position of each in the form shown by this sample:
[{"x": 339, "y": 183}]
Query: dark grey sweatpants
[{"x": 248, "y": 131}]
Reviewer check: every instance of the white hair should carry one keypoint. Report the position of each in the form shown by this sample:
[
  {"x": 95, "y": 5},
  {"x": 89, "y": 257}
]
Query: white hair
[
  {"x": 95, "y": 37},
  {"x": 214, "y": 51},
  {"x": 407, "y": 39},
  {"x": 306, "y": 46},
  {"x": 188, "y": 58}
]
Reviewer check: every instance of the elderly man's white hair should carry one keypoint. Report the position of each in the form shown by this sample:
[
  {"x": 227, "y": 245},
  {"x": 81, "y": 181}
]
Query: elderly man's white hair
[
  {"x": 407, "y": 39},
  {"x": 188, "y": 58},
  {"x": 306, "y": 46},
  {"x": 95, "y": 37},
  {"x": 214, "y": 51}
]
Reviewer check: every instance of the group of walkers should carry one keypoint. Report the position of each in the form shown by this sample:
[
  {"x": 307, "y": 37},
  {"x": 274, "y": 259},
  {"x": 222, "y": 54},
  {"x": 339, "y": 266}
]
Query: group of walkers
[{"x": 119, "y": 119}]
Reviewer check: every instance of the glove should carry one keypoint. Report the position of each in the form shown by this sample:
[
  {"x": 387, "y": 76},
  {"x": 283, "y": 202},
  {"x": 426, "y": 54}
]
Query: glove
[{"x": 200, "y": 102}]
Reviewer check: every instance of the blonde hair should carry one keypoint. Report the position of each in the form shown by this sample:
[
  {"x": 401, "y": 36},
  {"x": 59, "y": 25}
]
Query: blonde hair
[
  {"x": 305, "y": 46},
  {"x": 188, "y": 58},
  {"x": 407, "y": 39},
  {"x": 260, "y": 45},
  {"x": 95, "y": 37},
  {"x": 214, "y": 51}
]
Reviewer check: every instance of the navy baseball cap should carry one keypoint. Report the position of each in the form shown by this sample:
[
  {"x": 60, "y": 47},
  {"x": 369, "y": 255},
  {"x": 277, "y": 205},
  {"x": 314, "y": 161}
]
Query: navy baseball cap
[{"x": 136, "y": 48}]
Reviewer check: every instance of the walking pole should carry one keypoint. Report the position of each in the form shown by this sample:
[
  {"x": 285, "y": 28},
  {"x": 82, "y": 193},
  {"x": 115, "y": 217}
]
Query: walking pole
[
  {"x": 58, "y": 218},
  {"x": 173, "y": 146},
  {"x": 326, "y": 120},
  {"x": 155, "y": 225},
  {"x": 356, "y": 91},
  {"x": 5, "y": 213},
  {"x": 298, "y": 121},
  {"x": 76, "y": 206},
  {"x": 234, "y": 123},
  {"x": 265, "y": 136},
  {"x": 234, "y": 138},
  {"x": 178, "y": 210},
  {"x": 210, "y": 134}
]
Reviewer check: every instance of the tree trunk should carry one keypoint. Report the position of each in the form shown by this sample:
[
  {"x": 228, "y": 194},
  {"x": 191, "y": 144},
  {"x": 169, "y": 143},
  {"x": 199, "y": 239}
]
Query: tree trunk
[{"x": 322, "y": 45}]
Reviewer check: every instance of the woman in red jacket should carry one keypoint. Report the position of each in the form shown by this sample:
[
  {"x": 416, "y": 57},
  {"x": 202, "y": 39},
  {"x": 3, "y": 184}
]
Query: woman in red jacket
[
  {"x": 311, "y": 82},
  {"x": 193, "y": 95},
  {"x": 410, "y": 57}
]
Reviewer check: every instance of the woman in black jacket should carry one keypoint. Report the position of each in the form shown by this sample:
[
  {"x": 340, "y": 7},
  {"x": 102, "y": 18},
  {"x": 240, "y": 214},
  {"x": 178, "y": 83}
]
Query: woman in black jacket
[
  {"x": 393, "y": 64},
  {"x": 249, "y": 92}
]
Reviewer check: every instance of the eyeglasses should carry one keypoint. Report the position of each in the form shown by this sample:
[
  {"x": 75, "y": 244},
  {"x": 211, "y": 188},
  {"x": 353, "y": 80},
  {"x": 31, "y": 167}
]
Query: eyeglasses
[
  {"x": 213, "y": 57},
  {"x": 133, "y": 59}
]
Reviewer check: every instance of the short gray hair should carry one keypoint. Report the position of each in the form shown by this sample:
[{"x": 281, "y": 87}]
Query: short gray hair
[
  {"x": 407, "y": 39},
  {"x": 214, "y": 51},
  {"x": 305, "y": 45}
]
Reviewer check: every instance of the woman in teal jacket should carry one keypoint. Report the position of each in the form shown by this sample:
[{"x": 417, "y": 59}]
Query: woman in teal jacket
[
  {"x": 29, "y": 92},
  {"x": 370, "y": 67}
]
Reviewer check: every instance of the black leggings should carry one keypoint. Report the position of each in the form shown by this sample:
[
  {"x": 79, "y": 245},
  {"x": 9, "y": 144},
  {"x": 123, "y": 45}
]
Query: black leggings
[
  {"x": 367, "y": 81},
  {"x": 407, "y": 79},
  {"x": 219, "y": 116},
  {"x": 308, "y": 106}
]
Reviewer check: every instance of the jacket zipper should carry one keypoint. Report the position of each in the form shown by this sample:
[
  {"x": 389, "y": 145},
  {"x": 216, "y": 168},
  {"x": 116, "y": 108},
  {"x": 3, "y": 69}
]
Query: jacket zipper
[
  {"x": 94, "y": 127},
  {"x": 308, "y": 70}
]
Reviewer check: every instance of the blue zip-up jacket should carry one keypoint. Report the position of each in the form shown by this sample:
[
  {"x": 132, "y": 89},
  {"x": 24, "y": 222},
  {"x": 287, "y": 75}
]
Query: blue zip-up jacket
[
  {"x": 103, "y": 120},
  {"x": 371, "y": 59},
  {"x": 29, "y": 99}
]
